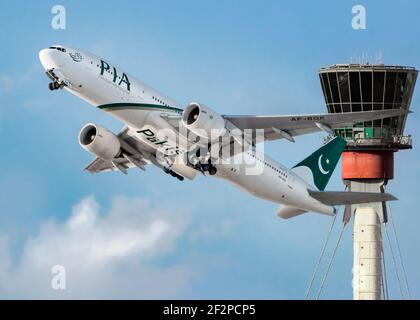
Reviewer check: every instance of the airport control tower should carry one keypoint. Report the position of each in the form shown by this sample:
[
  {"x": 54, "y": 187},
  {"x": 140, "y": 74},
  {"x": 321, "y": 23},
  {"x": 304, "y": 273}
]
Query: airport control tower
[{"x": 368, "y": 160}]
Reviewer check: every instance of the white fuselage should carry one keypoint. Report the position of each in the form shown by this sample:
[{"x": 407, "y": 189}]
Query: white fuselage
[{"x": 140, "y": 107}]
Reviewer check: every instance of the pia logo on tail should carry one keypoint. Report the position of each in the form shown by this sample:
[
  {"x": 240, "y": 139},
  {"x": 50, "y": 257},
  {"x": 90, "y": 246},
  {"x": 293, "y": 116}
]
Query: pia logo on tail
[
  {"x": 327, "y": 161},
  {"x": 323, "y": 162}
]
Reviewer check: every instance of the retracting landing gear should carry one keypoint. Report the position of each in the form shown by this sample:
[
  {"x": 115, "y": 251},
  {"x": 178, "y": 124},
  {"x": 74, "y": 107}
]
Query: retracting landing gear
[
  {"x": 55, "y": 83},
  {"x": 173, "y": 174},
  {"x": 55, "y": 86},
  {"x": 202, "y": 163},
  {"x": 206, "y": 167},
  {"x": 212, "y": 170}
]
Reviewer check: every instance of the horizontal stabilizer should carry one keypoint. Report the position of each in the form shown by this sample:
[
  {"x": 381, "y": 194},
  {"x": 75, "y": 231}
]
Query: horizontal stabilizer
[
  {"x": 334, "y": 198},
  {"x": 287, "y": 212}
]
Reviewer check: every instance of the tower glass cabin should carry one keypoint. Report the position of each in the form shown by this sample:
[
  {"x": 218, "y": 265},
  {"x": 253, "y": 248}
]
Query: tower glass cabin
[{"x": 365, "y": 87}]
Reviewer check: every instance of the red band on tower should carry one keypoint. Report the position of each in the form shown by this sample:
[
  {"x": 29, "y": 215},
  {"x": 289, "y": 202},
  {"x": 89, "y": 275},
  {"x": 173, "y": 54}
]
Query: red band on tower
[{"x": 368, "y": 165}]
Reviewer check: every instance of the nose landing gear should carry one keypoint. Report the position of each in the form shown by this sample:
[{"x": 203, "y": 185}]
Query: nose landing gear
[{"x": 55, "y": 85}]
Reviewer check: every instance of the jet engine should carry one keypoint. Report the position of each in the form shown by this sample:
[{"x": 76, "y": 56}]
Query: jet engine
[
  {"x": 99, "y": 141},
  {"x": 203, "y": 121}
]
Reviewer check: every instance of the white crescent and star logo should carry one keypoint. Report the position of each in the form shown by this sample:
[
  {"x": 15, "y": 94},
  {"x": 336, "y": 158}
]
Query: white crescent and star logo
[{"x": 323, "y": 171}]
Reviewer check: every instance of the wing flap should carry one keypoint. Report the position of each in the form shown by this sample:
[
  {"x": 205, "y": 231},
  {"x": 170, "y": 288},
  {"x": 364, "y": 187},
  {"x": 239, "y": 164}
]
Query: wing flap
[{"x": 100, "y": 165}]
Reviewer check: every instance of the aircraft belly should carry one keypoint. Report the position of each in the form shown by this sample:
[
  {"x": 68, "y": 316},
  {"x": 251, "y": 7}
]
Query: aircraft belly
[
  {"x": 134, "y": 118},
  {"x": 269, "y": 186},
  {"x": 265, "y": 185}
]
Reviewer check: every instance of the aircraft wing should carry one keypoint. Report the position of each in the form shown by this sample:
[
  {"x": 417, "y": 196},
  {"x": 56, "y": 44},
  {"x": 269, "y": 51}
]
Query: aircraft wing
[
  {"x": 132, "y": 156},
  {"x": 289, "y": 126}
]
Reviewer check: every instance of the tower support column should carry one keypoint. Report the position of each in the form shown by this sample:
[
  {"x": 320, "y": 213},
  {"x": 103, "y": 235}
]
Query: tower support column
[{"x": 367, "y": 271}]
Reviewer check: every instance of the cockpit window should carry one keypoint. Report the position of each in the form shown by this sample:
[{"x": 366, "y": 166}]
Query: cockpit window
[{"x": 59, "y": 49}]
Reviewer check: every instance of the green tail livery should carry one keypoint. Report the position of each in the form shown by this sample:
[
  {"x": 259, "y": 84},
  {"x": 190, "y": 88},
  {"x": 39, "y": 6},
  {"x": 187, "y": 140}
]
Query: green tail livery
[{"x": 323, "y": 161}]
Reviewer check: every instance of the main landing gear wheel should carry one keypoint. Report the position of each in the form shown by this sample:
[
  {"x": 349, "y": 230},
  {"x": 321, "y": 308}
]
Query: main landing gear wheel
[
  {"x": 212, "y": 171},
  {"x": 54, "y": 86},
  {"x": 205, "y": 167}
]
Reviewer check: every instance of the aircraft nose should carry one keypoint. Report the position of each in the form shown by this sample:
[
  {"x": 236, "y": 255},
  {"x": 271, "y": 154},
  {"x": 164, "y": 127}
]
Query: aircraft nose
[{"x": 49, "y": 58}]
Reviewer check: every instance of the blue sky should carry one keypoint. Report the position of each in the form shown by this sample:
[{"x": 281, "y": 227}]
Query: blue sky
[{"x": 206, "y": 239}]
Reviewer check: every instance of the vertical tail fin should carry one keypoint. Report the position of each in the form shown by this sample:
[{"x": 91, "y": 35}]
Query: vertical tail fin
[{"x": 323, "y": 162}]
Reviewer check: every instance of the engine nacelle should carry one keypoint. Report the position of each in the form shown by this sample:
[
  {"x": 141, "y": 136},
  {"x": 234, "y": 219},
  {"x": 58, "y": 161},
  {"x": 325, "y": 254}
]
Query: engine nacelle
[
  {"x": 203, "y": 121},
  {"x": 99, "y": 141}
]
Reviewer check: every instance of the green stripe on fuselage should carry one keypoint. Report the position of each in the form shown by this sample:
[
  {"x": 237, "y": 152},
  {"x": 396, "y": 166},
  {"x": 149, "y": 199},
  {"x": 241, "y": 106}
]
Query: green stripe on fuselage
[{"x": 144, "y": 106}]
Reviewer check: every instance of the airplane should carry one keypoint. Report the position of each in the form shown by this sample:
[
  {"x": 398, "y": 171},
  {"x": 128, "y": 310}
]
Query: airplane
[{"x": 184, "y": 143}]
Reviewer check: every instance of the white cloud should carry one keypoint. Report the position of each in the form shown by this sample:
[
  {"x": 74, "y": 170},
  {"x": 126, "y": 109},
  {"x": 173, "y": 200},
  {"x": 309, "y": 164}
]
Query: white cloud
[
  {"x": 115, "y": 255},
  {"x": 218, "y": 228}
]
